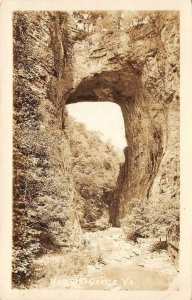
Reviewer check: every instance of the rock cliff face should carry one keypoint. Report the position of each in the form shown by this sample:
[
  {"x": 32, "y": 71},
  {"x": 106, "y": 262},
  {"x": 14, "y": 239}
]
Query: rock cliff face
[{"x": 137, "y": 68}]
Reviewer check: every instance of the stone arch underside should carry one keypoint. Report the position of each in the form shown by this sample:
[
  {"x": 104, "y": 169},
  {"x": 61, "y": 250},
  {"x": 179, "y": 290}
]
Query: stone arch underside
[
  {"x": 144, "y": 137},
  {"x": 139, "y": 73}
]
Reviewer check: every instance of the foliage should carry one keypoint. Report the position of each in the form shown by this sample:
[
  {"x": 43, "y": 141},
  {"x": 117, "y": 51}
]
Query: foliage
[
  {"x": 69, "y": 263},
  {"x": 152, "y": 218},
  {"x": 43, "y": 217},
  {"x": 95, "y": 167},
  {"x": 94, "y": 21},
  {"x": 91, "y": 22},
  {"x": 163, "y": 216},
  {"x": 135, "y": 224}
]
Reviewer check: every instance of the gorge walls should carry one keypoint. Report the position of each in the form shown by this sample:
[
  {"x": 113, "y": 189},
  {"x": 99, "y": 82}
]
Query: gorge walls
[{"x": 136, "y": 67}]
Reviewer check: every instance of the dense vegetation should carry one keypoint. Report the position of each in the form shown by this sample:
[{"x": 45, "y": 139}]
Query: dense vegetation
[
  {"x": 95, "y": 167},
  {"x": 151, "y": 219},
  {"x": 43, "y": 217}
]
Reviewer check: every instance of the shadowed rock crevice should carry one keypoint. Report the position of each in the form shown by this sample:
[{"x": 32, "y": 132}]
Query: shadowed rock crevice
[{"x": 114, "y": 86}]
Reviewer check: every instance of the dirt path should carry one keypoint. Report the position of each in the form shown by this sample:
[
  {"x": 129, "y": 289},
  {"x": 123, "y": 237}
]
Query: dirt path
[{"x": 124, "y": 266}]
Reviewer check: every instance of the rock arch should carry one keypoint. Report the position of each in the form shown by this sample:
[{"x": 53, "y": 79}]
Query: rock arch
[
  {"x": 137, "y": 67},
  {"x": 138, "y": 70}
]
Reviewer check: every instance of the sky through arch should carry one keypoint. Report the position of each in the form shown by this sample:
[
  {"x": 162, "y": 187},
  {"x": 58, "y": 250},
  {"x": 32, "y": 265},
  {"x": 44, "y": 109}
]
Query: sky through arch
[{"x": 105, "y": 117}]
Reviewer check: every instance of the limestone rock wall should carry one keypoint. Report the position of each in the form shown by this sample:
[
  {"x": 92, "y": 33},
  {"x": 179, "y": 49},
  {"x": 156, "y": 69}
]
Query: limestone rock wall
[{"x": 137, "y": 68}]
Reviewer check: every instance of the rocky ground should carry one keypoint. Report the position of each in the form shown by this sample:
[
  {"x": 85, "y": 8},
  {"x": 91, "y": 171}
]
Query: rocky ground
[{"x": 123, "y": 266}]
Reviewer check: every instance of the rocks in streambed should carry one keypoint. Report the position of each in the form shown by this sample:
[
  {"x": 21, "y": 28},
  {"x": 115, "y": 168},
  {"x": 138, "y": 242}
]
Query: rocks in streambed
[
  {"x": 115, "y": 249},
  {"x": 121, "y": 265}
]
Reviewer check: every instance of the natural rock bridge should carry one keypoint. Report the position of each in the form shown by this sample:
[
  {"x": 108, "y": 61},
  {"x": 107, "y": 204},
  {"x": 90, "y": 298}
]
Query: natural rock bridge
[{"x": 138, "y": 70}]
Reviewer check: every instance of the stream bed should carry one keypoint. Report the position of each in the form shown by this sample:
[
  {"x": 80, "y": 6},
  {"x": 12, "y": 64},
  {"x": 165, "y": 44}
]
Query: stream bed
[{"x": 123, "y": 265}]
